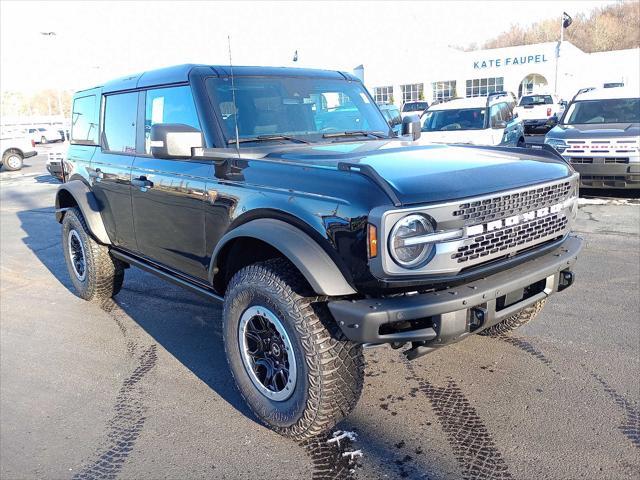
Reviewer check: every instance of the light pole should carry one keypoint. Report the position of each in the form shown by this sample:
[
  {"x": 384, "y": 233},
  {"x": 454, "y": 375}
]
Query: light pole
[{"x": 53, "y": 35}]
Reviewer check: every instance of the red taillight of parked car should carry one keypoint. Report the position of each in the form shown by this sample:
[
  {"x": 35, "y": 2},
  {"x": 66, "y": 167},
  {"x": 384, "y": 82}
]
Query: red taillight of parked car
[
  {"x": 33, "y": 143},
  {"x": 548, "y": 112}
]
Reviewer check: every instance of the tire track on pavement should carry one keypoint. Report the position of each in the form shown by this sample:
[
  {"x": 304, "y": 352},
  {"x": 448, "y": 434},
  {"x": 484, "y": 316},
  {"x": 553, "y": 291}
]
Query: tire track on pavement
[
  {"x": 127, "y": 422},
  {"x": 631, "y": 425},
  {"x": 472, "y": 443}
]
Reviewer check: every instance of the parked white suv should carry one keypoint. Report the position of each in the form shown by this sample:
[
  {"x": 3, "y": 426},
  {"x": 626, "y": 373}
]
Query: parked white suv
[
  {"x": 476, "y": 121},
  {"x": 539, "y": 111},
  {"x": 15, "y": 148}
]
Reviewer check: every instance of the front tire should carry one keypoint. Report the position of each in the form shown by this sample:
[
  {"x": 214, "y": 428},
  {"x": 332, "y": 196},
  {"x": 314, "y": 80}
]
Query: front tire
[
  {"x": 291, "y": 362},
  {"x": 95, "y": 274},
  {"x": 511, "y": 323},
  {"x": 12, "y": 161}
]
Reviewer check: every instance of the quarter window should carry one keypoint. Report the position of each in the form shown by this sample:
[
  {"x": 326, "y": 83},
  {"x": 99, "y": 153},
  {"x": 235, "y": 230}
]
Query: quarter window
[
  {"x": 383, "y": 95},
  {"x": 168, "y": 105},
  {"x": 412, "y": 92},
  {"x": 84, "y": 124},
  {"x": 119, "y": 133},
  {"x": 481, "y": 87},
  {"x": 444, "y": 90}
]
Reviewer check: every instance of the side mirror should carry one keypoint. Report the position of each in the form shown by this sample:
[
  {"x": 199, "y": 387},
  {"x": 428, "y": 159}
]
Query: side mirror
[
  {"x": 500, "y": 124},
  {"x": 411, "y": 126},
  {"x": 174, "y": 140}
]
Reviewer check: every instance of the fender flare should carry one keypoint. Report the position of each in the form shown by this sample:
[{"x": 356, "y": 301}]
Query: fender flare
[
  {"x": 299, "y": 248},
  {"x": 88, "y": 205}
]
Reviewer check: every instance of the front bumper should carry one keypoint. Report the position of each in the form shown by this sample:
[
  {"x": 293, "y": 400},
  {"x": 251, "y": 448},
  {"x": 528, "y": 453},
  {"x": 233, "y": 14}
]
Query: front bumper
[
  {"x": 607, "y": 175},
  {"x": 439, "y": 318}
]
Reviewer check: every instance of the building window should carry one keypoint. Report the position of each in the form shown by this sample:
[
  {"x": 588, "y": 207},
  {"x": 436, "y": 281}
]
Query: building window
[
  {"x": 444, "y": 90},
  {"x": 481, "y": 87},
  {"x": 412, "y": 92},
  {"x": 383, "y": 95}
]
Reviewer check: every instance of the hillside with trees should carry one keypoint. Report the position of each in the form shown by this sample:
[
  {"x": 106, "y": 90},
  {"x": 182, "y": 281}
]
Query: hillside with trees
[{"x": 614, "y": 27}]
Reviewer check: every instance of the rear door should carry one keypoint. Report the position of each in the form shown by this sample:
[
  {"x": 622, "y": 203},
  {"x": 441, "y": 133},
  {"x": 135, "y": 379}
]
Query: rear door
[
  {"x": 513, "y": 131},
  {"x": 110, "y": 170},
  {"x": 168, "y": 195}
]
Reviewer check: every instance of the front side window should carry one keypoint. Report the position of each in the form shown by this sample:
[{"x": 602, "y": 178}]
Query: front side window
[
  {"x": 462, "y": 119},
  {"x": 615, "y": 110},
  {"x": 306, "y": 108},
  {"x": 84, "y": 124},
  {"x": 168, "y": 105}
]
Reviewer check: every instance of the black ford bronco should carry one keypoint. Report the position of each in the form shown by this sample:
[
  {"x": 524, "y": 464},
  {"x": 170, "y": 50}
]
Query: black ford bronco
[{"x": 284, "y": 194}]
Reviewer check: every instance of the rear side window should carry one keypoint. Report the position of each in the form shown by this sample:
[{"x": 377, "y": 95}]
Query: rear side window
[
  {"x": 168, "y": 105},
  {"x": 119, "y": 132},
  {"x": 84, "y": 124}
]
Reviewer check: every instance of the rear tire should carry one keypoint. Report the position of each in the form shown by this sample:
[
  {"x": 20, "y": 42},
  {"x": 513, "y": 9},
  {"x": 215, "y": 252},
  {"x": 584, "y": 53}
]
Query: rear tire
[
  {"x": 515, "y": 321},
  {"x": 12, "y": 161},
  {"x": 326, "y": 368},
  {"x": 95, "y": 274}
]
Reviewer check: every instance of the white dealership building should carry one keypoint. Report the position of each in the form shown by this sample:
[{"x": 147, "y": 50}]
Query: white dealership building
[{"x": 437, "y": 74}]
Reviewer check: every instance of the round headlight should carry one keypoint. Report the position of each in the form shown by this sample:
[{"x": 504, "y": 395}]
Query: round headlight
[{"x": 413, "y": 225}]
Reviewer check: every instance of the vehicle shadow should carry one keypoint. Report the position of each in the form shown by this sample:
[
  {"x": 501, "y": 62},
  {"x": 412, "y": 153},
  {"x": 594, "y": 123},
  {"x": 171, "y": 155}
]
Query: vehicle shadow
[{"x": 188, "y": 327}]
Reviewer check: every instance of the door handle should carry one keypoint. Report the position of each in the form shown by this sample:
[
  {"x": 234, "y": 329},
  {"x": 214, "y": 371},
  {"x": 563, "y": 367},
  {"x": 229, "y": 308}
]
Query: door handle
[{"x": 142, "y": 183}]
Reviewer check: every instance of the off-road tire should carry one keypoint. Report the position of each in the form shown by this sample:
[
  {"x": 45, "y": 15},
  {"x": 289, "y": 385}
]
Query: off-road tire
[
  {"x": 330, "y": 368},
  {"x": 6, "y": 161},
  {"x": 104, "y": 274},
  {"x": 514, "y": 321}
]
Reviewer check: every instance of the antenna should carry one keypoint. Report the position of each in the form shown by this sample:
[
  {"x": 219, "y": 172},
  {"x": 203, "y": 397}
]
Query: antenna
[{"x": 233, "y": 96}]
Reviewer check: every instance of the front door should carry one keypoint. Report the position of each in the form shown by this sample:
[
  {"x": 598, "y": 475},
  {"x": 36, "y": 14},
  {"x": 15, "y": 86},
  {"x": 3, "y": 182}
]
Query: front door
[
  {"x": 168, "y": 195},
  {"x": 110, "y": 168}
]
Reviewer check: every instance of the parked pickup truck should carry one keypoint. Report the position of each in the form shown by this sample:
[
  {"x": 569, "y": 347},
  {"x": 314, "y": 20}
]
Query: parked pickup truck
[
  {"x": 14, "y": 148},
  {"x": 238, "y": 185},
  {"x": 539, "y": 111}
]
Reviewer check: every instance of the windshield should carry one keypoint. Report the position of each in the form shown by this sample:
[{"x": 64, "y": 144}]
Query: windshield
[
  {"x": 293, "y": 107},
  {"x": 415, "y": 106},
  {"x": 536, "y": 100},
  {"x": 464, "y": 119},
  {"x": 615, "y": 110}
]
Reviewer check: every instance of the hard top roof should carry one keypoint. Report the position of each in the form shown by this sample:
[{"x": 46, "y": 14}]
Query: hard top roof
[
  {"x": 609, "y": 93},
  {"x": 180, "y": 74}
]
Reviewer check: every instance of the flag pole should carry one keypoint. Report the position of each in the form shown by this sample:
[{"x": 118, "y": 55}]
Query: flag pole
[{"x": 555, "y": 83}]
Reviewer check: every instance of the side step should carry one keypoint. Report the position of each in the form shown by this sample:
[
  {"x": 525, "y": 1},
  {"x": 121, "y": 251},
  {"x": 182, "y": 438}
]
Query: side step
[{"x": 167, "y": 275}]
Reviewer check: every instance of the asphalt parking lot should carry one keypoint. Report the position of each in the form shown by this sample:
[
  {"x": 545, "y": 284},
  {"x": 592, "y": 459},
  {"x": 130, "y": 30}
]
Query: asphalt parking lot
[{"x": 139, "y": 387}]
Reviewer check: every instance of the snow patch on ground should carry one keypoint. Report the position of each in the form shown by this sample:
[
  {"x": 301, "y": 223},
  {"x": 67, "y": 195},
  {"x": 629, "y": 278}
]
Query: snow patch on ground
[
  {"x": 603, "y": 201},
  {"x": 340, "y": 435}
]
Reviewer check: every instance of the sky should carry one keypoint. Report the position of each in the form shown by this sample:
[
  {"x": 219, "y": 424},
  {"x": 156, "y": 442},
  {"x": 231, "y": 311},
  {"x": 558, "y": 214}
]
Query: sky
[{"x": 98, "y": 41}]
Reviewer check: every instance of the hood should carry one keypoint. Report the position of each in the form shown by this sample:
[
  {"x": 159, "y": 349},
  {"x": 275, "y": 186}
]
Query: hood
[
  {"x": 435, "y": 173},
  {"x": 594, "y": 130}
]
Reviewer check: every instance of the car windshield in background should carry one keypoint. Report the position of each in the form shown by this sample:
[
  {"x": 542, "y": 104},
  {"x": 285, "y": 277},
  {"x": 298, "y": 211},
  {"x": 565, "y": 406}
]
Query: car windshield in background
[
  {"x": 536, "y": 100},
  {"x": 270, "y": 108},
  {"x": 616, "y": 110},
  {"x": 415, "y": 106},
  {"x": 464, "y": 119}
]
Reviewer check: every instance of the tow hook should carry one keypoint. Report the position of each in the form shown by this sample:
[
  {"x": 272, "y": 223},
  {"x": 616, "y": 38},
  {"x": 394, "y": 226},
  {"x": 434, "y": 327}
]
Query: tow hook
[
  {"x": 567, "y": 277},
  {"x": 477, "y": 318}
]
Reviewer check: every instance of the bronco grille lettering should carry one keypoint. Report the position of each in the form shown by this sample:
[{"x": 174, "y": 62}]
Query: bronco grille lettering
[{"x": 513, "y": 220}]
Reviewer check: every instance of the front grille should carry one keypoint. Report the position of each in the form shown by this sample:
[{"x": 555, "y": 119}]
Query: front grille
[
  {"x": 512, "y": 204},
  {"x": 516, "y": 237},
  {"x": 622, "y": 160},
  {"x": 599, "y": 147}
]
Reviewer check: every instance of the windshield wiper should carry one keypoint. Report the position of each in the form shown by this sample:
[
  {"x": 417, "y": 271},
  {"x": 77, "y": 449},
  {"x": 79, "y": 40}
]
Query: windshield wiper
[
  {"x": 355, "y": 133},
  {"x": 267, "y": 138}
]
